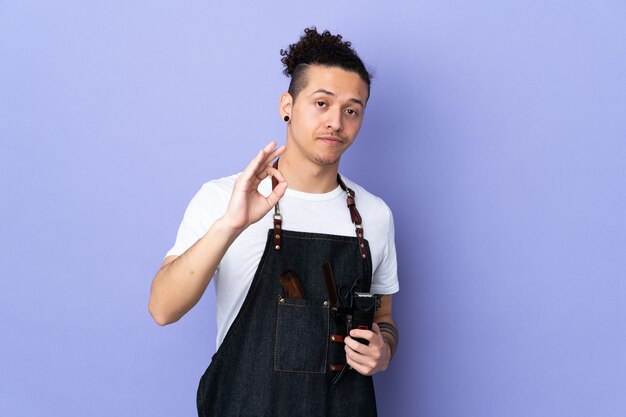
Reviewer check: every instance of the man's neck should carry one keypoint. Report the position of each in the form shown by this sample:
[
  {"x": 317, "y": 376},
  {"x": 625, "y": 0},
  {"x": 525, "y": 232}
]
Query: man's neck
[{"x": 308, "y": 176}]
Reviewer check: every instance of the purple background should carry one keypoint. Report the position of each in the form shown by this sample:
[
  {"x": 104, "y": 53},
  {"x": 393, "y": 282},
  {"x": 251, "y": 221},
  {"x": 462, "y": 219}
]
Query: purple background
[{"x": 495, "y": 131}]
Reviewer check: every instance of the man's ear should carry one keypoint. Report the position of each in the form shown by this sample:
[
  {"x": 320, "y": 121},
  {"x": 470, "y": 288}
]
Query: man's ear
[{"x": 286, "y": 104}]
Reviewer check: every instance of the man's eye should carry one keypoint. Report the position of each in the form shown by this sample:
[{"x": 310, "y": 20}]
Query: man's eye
[
  {"x": 351, "y": 112},
  {"x": 320, "y": 104}
]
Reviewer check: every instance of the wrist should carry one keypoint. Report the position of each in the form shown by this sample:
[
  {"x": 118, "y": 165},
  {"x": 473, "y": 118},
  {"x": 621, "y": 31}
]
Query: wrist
[
  {"x": 226, "y": 229},
  {"x": 389, "y": 334},
  {"x": 388, "y": 354}
]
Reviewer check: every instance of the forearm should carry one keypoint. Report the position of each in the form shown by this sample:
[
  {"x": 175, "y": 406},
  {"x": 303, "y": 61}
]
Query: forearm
[{"x": 179, "y": 285}]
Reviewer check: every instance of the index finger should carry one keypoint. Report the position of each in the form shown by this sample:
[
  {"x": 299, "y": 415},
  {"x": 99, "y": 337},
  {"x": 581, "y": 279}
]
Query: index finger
[
  {"x": 259, "y": 160},
  {"x": 272, "y": 156}
]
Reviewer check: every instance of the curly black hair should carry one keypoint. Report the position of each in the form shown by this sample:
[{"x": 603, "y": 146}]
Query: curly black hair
[{"x": 324, "y": 49}]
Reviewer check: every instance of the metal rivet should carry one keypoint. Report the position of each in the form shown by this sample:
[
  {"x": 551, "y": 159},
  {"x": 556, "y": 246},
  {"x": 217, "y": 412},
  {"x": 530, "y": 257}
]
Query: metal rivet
[
  {"x": 362, "y": 245},
  {"x": 278, "y": 226},
  {"x": 277, "y": 247},
  {"x": 325, "y": 303},
  {"x": 332, "y": 338},
  {"x": 360, "y": 234},
  {"x": 364, "y": 256},
  {"x": 277, "y": 236},
  {"x": 332, "y": 367},
  {"x": 282, "y": 300}
]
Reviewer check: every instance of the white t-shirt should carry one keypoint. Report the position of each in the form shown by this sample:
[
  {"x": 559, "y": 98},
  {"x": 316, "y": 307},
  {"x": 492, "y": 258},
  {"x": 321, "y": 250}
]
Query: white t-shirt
[{"x": 302, "y": 212}]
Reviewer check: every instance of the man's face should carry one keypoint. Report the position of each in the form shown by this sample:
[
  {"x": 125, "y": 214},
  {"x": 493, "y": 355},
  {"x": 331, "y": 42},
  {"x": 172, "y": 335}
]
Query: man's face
[{"x": 327, "y": 114}]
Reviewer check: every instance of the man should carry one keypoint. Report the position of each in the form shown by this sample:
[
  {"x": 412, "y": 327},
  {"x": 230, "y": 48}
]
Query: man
[{"x": 290, "y": 243}]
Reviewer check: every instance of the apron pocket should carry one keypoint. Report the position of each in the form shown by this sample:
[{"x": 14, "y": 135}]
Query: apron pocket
[{"x": 302, "y": 329}]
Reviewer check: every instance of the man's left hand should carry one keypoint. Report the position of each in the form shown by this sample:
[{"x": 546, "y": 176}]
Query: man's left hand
[{"x": 367, "y": 359}]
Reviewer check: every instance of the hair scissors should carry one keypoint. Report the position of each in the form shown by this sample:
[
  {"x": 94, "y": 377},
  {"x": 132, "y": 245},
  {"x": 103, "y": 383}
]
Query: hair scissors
[{"x": 346, "y": 294}]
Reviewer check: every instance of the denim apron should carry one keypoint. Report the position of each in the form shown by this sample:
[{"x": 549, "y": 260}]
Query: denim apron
[{"x": 281, "y": 354}]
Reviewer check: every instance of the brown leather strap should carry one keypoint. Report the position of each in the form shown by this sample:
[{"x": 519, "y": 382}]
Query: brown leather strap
[
  {"x": 278, "y": 230},
  {"x": 354, "y": 213},
  {"x": 336, "y": 366},
  {"x": 278, "y": 219},
  {"x": 337, "y": 338},
  {"x": 355, "y": 216}
]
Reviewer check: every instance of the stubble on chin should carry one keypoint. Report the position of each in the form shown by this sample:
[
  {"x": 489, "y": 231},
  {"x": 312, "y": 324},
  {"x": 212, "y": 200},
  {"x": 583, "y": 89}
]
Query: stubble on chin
[{"x": 325, "y": 161}]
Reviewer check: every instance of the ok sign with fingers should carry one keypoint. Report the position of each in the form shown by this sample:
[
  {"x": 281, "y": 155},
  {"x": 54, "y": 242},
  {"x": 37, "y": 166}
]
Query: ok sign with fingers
[{"x": 247, "y": 205}]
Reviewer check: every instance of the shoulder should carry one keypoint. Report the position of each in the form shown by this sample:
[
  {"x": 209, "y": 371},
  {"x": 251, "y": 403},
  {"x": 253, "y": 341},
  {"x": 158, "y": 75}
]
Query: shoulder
[
  {"x": 220, "y": 185},
  {"x": 217, "y": 189}
]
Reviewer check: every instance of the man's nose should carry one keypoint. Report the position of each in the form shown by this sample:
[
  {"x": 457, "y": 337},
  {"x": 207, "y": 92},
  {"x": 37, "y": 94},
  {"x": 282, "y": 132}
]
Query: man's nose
[{"x": 333, "y": 119}]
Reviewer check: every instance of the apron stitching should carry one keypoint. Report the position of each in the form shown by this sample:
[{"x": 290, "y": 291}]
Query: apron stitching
[
  {"x": 276, "y": 334},
  {"x": 350, "y": 238},
  {"x": 327, "y": 312},
  {"x": 300, "y": 372}
]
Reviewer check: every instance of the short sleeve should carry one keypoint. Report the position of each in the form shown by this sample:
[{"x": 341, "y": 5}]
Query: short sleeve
[
  {"x": 385, "y": 277},
  {"x": 203, "y": 209}
]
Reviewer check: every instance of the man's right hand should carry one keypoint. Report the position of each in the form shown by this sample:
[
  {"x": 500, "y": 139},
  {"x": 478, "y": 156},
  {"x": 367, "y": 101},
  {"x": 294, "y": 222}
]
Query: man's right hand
[
  {"x": 247, "y": 205},
  {"x": 182, "y": 280}
]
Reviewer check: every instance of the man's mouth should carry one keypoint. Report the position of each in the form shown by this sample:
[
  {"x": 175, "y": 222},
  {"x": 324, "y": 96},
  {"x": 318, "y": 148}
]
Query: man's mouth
[{"x": 332, "y": 140}]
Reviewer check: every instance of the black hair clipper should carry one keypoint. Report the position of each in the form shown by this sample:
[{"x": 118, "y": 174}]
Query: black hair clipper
[{"x": 363, "y": 315}]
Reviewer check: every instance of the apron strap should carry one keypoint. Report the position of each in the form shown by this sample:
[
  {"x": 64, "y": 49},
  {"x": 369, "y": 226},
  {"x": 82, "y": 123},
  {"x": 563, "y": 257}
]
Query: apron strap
[
  {"x": 278, "y": 219},
  {"x": 354, "y": 215}
]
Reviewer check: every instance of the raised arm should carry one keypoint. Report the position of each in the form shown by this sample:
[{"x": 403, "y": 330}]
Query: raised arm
[{"x": 182, "y": 280}]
